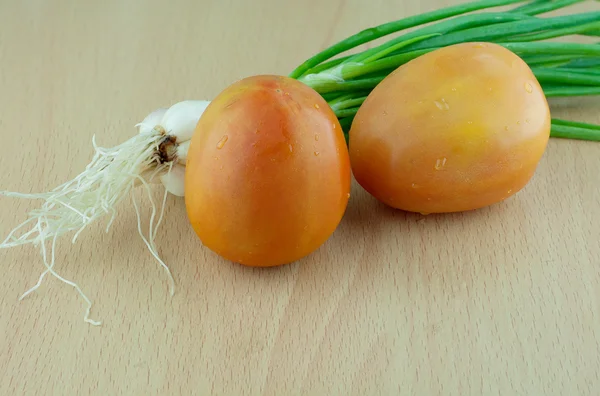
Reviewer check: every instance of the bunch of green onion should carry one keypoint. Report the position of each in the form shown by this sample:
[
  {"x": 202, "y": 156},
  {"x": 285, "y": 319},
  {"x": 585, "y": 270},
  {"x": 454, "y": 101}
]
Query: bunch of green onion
[{"x": 564, "y": 69}]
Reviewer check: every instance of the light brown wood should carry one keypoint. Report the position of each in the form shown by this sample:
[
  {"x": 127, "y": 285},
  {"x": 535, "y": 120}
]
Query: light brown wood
[{"x": 503, "y": 300}]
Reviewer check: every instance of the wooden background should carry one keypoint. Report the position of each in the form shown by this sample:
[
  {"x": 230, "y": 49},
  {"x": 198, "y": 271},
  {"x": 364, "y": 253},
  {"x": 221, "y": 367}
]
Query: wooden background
[{"x": 503, "y": 300}]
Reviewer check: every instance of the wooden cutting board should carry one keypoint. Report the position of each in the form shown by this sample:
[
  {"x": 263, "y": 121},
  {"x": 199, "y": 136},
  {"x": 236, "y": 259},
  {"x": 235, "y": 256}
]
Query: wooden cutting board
[{"x": 499, "y": 301}]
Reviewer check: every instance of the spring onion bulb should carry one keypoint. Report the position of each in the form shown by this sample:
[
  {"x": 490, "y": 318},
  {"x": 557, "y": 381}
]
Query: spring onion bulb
[
  {"x": 159, "y": 153},
  {"x": 155, "y": 155}
]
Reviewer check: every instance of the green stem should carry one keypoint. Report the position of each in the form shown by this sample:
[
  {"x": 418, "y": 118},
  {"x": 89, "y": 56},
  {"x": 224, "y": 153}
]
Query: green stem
[
  {"x": 327, "y": 65},
  {"x": 589, "y": 70},
  {"x": 585, "y": 63},
  {"x": 556, "y": 121},
  {"x": 570, "y": 91},
  {"x": 354, "y": 102},
  {"x": 548, "y": 60},
  {"x": 397, "y": 46},
  {"x": 353, "y": 70},
  {"x": 329, "y": 97},
  {"x": 340, "y": 99},
  {"x": 553, "y": 48},
  {"x": 443, "y": 28},
  {"x": 346, "y": 112},
  {"x": 593, "y": 33},
  {"x": 566, "y": 131},
  {"x": 577, "y": 29},
  {"x": 328, "y": 86},
  {"x": 346, "y": 123},
  {"x": 374, "y": 33},
  {"x": 530, "y": 4},
  {"x": 504, "y": 31},
  {"x": 548, "y": 75},
  {"x": 543, "y": 6}
]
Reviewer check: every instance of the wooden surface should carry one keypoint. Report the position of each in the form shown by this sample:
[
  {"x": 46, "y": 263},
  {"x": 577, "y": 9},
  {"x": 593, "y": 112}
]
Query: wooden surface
[{"x": 503, "y": 300}]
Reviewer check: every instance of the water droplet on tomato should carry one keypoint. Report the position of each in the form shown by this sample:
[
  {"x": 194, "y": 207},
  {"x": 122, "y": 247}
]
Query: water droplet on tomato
[
  {"x": 440, "y": 163},
  {"x": 442, "y": 105},
  {"x": 414, "y": 185},
  {"x": 291, "y": 148},
  {"x": 316, "y": 153},
  {"x": 316, "y": 106},
  {"x": 317, "y": 138},
  {"x": 528, "y": 88},
  {"x": 506, "y": 127},
  {"x": 348, "y": 195},
  {"x": 222, "y": 142}
]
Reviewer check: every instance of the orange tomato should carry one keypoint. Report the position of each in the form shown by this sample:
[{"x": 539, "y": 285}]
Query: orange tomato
[
  {"x": 267, "y": 177},
  {"x": 459, "y": 128}
]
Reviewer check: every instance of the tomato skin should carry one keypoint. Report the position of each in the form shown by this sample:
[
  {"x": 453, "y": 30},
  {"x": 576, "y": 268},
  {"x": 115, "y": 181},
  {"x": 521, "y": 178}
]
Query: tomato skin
[
  {"x": 268, "y": 172},
  {"x": 460, "y": 128}
]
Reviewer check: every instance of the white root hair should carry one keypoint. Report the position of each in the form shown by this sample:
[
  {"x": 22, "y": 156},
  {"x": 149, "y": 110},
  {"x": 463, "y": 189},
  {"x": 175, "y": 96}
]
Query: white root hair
[{"x": 111, "y": 175}]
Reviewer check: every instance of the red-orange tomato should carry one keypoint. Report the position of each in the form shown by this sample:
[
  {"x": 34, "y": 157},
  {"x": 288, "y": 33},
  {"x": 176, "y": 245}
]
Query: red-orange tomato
[
  {"x": 459, "y": 128},
  {"x": 267, "y": 177}
]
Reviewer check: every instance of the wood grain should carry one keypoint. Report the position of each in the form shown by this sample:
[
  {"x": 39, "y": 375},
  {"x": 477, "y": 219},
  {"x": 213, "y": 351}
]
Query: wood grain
[{"x": 500, "y": 301}]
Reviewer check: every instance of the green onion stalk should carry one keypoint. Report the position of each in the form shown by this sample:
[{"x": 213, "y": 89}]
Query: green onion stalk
[{"x": 564, "y": 69}]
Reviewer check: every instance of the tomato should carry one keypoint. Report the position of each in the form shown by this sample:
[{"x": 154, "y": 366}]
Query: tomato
[
  {"x": 459, "y": 128},
  {"x": 268, "y": 175}
]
